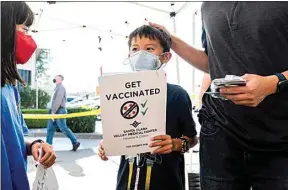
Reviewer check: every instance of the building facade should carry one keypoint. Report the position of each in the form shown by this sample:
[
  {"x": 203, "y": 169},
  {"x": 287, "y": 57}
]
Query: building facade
[{"x": 28, "y": 72}]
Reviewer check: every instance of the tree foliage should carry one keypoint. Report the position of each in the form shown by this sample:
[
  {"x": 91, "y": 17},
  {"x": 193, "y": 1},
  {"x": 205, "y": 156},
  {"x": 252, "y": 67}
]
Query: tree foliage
[{"x": 28, "y": 98}]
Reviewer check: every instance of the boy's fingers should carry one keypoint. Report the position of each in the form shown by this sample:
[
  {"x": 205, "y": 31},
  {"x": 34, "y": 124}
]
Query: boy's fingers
[
  {"x": 161, "y": 143},
  {"x": 103, "y": 157},
  {"x": 160, "y": 137},
  {"x": 101, "y": 151},
  {"x": 163, "y": 150},
  {"x": 101, "y": 154}
]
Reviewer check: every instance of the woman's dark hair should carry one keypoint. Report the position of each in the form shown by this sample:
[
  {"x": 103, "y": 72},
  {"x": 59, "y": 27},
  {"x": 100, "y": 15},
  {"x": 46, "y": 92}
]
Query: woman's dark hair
[
  {"x": 153, "y": 34},
  {"x": 12, "y": 13}
]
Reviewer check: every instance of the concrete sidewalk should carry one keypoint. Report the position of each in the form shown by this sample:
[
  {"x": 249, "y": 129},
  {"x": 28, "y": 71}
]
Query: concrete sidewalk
[{"x": 79, "y": 170}]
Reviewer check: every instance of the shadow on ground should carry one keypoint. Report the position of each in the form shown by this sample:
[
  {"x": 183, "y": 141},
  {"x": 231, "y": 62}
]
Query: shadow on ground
[{"x": 68, "y": 161}]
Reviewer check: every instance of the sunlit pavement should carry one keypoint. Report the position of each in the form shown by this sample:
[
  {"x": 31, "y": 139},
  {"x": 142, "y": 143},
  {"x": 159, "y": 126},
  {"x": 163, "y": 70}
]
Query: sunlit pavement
[{"x": 82, "y": 169}]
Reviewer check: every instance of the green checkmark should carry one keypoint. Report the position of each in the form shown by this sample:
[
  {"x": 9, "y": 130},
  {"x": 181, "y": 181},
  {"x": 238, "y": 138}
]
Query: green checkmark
[
  {"x": 144, "y": 112},
  {"x": 143, "y": 105}
]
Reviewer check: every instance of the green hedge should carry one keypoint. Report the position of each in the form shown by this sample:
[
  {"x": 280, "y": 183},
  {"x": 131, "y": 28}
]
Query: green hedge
[{"x": 76, "y": 124}]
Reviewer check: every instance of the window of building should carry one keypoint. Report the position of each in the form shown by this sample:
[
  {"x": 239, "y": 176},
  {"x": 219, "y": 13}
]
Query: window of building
[{"x": 26, "y": 76}]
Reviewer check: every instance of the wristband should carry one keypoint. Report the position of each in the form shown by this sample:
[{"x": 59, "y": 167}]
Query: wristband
[{"x": 185, "y": 145}]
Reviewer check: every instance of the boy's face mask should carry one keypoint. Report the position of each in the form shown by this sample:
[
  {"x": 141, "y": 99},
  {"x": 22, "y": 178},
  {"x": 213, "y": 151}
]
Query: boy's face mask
[
  {"x": 25, "y": 47},
  {"x": 143, "y": 60}
]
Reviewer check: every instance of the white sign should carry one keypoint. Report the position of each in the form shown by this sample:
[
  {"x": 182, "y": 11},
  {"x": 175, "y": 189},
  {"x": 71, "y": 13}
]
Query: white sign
[{"x": 133, "y": 110}]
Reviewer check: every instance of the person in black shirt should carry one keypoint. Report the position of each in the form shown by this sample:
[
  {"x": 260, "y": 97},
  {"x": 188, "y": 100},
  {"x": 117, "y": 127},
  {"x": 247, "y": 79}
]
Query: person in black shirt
[
  {"x": 244, "y": 141},
  {"x": 167, "y": 171}
]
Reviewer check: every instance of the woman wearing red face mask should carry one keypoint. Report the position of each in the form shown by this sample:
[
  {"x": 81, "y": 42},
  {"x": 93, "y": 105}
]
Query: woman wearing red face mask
[{"x": 16, "y": 48}]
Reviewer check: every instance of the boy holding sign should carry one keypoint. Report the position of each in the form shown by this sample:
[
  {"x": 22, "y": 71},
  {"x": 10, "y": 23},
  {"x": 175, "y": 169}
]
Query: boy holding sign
[{"x": 164, "y": 168}]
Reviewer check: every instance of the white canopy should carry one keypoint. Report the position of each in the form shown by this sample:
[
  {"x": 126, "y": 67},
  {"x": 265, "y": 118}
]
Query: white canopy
[{"x": 72, "y": 31}]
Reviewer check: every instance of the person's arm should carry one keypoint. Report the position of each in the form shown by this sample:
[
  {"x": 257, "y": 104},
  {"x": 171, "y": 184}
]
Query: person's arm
[
  {"x": 205, "y": 85},
  {"x": 193, "y": 56},
  {"x": 57, "y": 99}
]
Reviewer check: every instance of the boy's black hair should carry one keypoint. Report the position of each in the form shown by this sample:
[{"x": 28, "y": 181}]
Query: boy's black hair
[{"x": 153, "y": 34}]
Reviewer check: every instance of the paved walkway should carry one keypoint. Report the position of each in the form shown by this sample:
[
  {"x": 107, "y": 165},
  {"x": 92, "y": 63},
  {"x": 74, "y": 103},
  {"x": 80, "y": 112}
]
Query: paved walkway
[{"x": 82, "y": 169}]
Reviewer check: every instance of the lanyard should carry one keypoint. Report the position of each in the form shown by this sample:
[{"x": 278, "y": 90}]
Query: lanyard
[
  {"x": 137, "y": 171},
  {"x": 137, "y": 178},
  {"x": 131, "y": 164},
  {"x": 148, "y": 173},
  {"x": 149, "y": 164}
]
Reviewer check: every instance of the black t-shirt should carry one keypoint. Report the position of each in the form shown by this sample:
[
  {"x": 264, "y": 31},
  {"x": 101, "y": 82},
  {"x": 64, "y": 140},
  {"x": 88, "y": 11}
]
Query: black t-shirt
[
  {"x": 248, "y": 37},
  {"x": 168, "y": 171}
]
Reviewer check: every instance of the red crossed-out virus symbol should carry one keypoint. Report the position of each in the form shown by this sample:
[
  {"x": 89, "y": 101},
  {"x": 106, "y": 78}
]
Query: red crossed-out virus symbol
[{"x": 129, "y": 110}]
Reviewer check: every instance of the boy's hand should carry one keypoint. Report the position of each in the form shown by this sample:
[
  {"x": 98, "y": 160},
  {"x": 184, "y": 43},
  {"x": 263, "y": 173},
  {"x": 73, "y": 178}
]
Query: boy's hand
[
  {"x": 165, "y": 142},
  {"x": 101, "y": 152}
]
